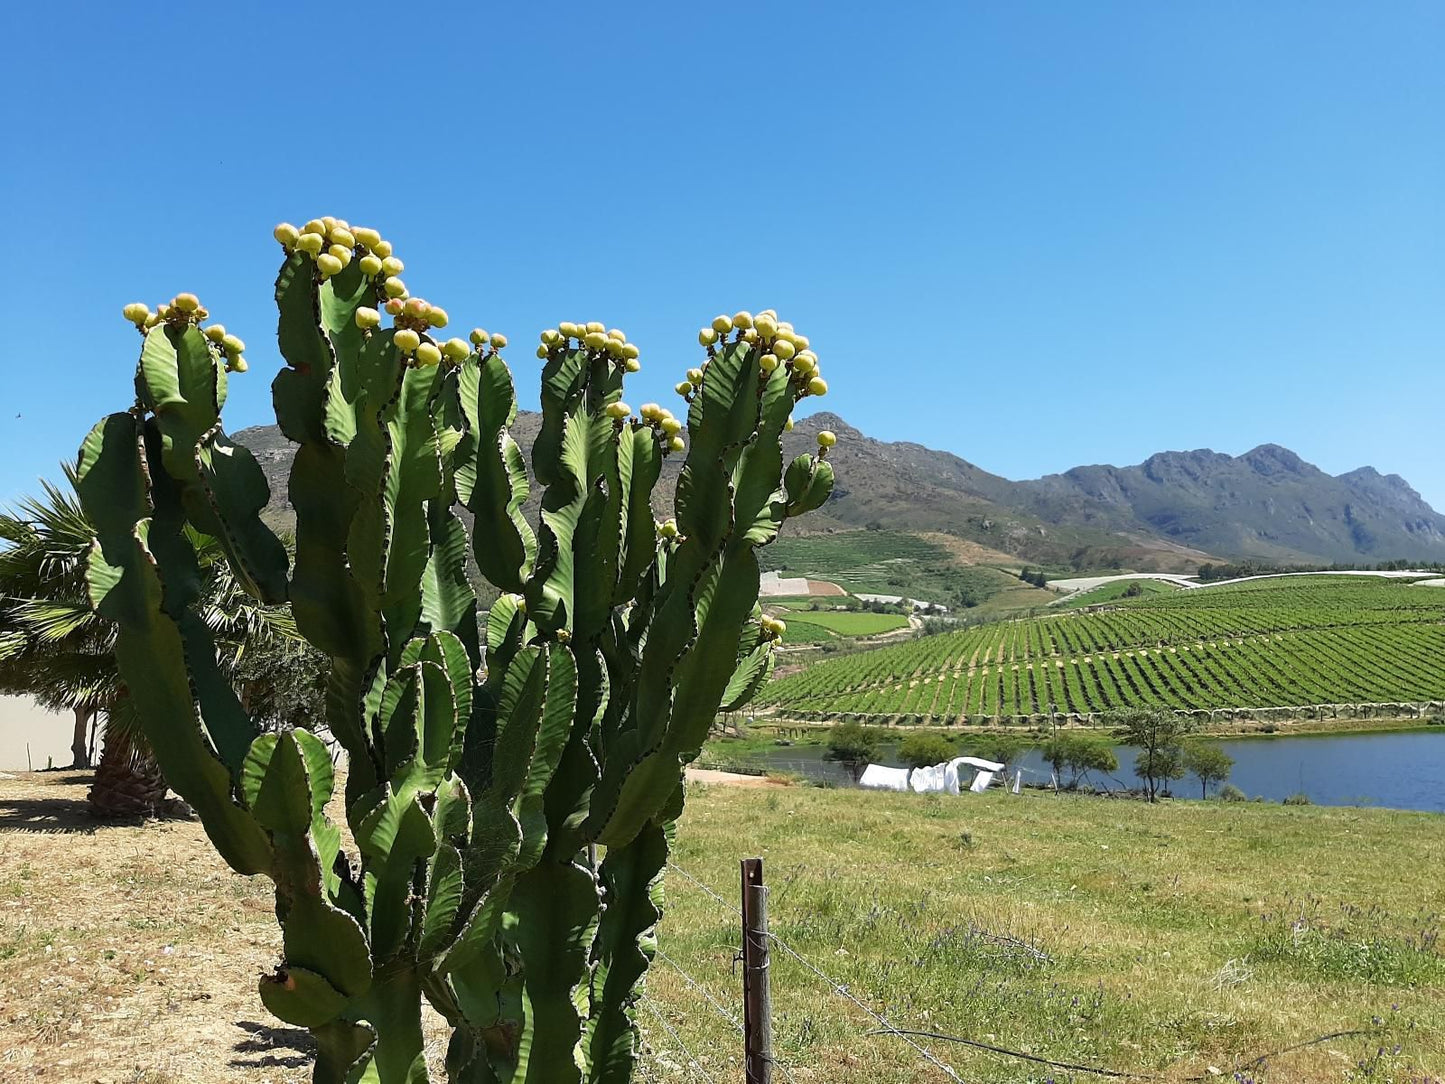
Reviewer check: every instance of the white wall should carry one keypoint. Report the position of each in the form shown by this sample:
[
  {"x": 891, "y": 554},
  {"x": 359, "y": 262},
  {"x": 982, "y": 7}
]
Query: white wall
[{"x": 48, "y": 734}]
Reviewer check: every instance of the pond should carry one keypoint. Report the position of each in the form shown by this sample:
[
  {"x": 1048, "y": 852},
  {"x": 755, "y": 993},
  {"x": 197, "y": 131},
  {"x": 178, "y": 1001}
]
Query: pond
[{"x": 1401, "y": 770}]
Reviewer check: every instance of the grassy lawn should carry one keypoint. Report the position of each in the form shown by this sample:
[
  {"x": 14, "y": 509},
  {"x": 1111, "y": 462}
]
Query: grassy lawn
[
  {"x": 847, "y": 623},
  {"x": 1173, "y": 938},
  {"x": 1159, "y": 940}
]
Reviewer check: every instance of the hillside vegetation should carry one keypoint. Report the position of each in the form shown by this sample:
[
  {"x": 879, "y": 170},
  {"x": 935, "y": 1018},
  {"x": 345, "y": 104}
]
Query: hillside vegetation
[
  {"x": 1269, "y": 643},
  {"x": 898, "y": 563}
]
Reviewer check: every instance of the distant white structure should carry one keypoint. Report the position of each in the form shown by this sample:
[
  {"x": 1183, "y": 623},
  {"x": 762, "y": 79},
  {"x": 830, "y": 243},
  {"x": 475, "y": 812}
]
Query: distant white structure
[
  {"x": 894, "y": 600},
  {"x": 1079, "y": 585},
  {"x": 933, "y": 779},
  {"x": 774, "y": 583}
]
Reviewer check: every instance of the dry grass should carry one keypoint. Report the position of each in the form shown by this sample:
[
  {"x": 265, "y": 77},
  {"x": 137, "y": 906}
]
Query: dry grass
[{"x": 129, "y": 953}]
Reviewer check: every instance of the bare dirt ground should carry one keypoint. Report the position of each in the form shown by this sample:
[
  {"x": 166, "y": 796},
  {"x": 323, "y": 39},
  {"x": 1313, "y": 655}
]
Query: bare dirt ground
[
  {"x": 129, "y": 954},
  {"x": 969, "y": 553},
  {"x": 729, "y": 779}
]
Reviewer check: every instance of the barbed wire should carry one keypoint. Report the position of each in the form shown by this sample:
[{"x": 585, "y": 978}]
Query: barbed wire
[
  {"x": 836, "y": 987},
  {"x": 723, "y": 1011},
  {"x": 886, "y": 1027},
  {"x": 676, "y": 1038},
  {"x": 688, "y": 876}
]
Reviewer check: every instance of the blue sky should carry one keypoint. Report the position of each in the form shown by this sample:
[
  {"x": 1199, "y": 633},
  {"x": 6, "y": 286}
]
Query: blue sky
[{"x": 1036, "y": 235}]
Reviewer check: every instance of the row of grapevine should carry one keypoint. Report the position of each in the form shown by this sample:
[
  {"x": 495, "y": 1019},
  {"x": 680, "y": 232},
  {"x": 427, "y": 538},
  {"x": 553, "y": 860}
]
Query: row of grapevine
[{"x": 1327, "y": 642}]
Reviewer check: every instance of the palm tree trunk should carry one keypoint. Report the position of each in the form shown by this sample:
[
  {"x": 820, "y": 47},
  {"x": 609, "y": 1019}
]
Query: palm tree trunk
[
  {"x": 128, "y": 781},
  {"x": 79, "y": 747}
]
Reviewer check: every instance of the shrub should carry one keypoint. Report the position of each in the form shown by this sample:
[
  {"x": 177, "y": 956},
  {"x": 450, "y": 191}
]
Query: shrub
[
  {"x": 922, "y": 749},
  {"x": 1298, "y": 799},
  {"x": 852, "y": 745},
  {"x": 1230, "y": 793},
  {"x": 1208, "y": 762}
]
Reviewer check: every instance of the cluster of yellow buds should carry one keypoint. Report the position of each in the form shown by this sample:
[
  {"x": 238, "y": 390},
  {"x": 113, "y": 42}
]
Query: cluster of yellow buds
[
  {"x": 333, "y": 243},
  {"x": 667, "y": 427},
  {"x": 596, "y": 337},
  {"x": 779, "y": 343},
  {"x": 184, "y": 310},
  {"x": 667, "y": 529},
  {"x": 773, "y": 628}
]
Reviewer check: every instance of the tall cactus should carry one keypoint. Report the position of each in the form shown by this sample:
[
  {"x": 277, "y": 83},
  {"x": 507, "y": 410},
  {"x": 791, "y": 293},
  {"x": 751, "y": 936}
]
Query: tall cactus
[{"x": 489, "y": 756}]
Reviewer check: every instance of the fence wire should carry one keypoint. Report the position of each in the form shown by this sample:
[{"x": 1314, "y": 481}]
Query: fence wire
[
  {"x": 676, "y": 1038},
  {"x": 836, "y": 987}
]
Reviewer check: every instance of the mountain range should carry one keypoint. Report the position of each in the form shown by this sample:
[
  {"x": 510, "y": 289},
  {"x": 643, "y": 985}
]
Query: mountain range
[{"x": 1171, "y": 512}]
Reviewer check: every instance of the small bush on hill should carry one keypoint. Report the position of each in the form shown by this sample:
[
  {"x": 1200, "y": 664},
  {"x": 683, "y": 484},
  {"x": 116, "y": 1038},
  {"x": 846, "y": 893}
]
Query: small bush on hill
[{"x": 923, "y": 749}]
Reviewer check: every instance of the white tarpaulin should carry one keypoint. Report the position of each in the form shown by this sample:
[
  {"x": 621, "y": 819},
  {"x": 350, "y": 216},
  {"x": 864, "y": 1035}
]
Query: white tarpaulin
[
  {"x": 933, "y": 779},
  {"x": 882, "y": 777}
]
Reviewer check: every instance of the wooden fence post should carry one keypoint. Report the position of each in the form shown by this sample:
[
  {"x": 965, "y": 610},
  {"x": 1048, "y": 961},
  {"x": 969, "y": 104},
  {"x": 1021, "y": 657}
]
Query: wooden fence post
[{"x": 757, "y": 999}]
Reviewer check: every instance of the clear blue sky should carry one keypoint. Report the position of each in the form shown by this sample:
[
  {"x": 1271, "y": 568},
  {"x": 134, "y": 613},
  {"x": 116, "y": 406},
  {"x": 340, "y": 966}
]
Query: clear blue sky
[{"x": 1036, "y": 234}]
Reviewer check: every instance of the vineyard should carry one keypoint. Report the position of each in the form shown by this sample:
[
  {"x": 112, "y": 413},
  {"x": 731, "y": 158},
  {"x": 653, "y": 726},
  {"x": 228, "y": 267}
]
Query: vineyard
[{"x": 1268, "y": 643}]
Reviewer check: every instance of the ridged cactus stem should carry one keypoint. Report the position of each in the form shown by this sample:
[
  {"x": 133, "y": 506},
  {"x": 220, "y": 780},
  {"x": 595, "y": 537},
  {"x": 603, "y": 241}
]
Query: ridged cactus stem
[{"x": 484, "y": 753}]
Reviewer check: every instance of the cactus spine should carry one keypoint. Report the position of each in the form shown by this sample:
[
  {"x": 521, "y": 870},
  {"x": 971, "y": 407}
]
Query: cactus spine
[{"x": 485, "y": 753}]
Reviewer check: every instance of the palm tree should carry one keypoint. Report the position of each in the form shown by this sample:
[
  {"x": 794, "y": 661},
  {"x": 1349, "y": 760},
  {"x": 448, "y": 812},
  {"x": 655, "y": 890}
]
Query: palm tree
[{"x": 54, "y": 647}]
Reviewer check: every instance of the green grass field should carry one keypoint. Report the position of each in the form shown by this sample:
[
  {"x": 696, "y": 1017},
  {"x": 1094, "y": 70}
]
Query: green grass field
[
  {"x": 1160, "y": 940},
  {"x": 1284, "y": 642},
  {"x": 890, "y": 563},
  {"x": 847, "y": 623}
]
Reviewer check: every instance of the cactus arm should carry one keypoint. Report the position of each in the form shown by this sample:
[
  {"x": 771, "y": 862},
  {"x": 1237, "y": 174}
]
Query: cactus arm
[
  {"x": 448, "y": 602},
  {"x": 183, "y": 383},
  {"x": 535, "y": 709},
  {"x": 181, "y": 378},
  {"x": 626, "y": 942},
  {"x": 556, "y": 913},
  {"x": 452, "y": 817},
  {"x": 754, "y": 667},
  {"x": 299, "y": 391},
  {"x": 343, "y": 1052},
  {"x": 729, "y": 502},
  {"x": 809, "y": 484},
  {"x": 236, "y": 491},
  {"x": 447, "y": 651},
  {"x": 393, "y": 836},
  {"x": 491, "y": 474},
  {"x": 564, "y": 377},
  {"x": 125, "y": 588},
  {"x": 301, "y": 997},
  {"x": 393, "y": 1008},
  {"x": 226, "y": 724},
  {"x": 330, "y": 607},
  {"x": 640, "y": 542}
]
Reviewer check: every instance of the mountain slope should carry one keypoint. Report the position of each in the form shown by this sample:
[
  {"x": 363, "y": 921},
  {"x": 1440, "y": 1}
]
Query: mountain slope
[
  {"x": 1267, "y": 503},
  {"x": 1168, "y": 513}
]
